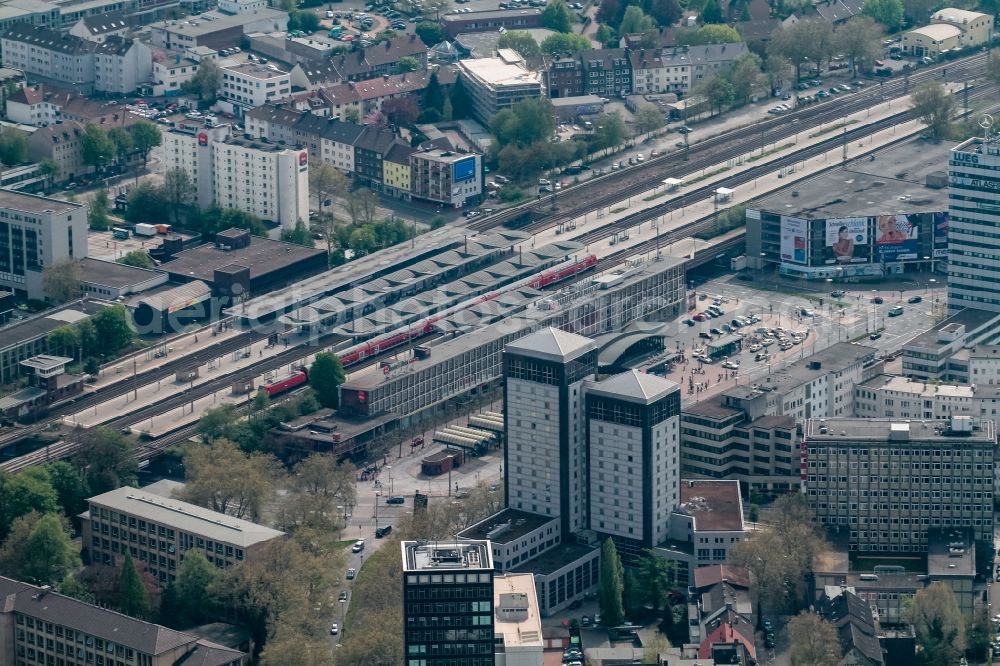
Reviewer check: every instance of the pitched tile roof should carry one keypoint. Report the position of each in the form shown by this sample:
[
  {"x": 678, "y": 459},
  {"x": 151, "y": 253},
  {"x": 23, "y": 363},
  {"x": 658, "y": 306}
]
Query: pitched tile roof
[
  {"x": 102, "y": 24},
  {"x": 716, "y": 573},
  {"x": 49, "y": 39}
]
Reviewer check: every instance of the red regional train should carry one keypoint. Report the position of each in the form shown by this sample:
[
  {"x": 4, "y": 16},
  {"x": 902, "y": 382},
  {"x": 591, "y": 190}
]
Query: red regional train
[{"x": 286, "y": 383}]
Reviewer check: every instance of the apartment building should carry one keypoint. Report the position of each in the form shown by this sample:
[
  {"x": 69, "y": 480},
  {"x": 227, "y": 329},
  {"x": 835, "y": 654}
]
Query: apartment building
[
  {"x": 214, "y": 29},
  {"x": 448, "y": 590},
  {"x": 498, "y": 83},
  {"x": 396, "y": 171},
  {"x": 633, "y": 442},
  {"x": 121, "y": 65},
  {"x": 35, "y": 232},
  {"x": 606, "y": 72},
  {"x": 63, "y": 144},
  {"x": 564, "y": 76},
  {"x": 249, "y": 85},
  {"x": 885, "y": 483},
  {"x": 40, "y": 106},
  {"x": 39, "y": 626},
  {"x": 974, "y": 214},
  {"x": 544, "y": 416},
  {"x": 679, "y": 69},
  {"x": 171, "y": 73},
  {"x": 380, "y": 59},
  {"x": 157, "y": 531},
  {"x": 253, "y": 175},
  {"x": 446, "y": 177}
]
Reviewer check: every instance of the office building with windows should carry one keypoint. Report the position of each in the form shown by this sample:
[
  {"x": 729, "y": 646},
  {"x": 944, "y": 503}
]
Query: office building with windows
[
  {"x": 633, "y": 441},
  {"x": 974, "y": 217},
  {"x": 447, "y": 603},
  {"x": 546, "y": 452},
  {"x": 886, "y": 483},
  {"x": 35, "y": 232},
  {"x": 157, "y": 531}
]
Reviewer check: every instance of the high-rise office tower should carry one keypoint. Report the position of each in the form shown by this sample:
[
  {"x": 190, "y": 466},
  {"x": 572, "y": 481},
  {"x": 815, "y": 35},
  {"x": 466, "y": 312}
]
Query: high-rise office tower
[
  {"x": 974, "y": 225},
  {"x": 447, "y": 603},
  {"x": 545, "y": 458},
  {"x": 632, "y": 431}
]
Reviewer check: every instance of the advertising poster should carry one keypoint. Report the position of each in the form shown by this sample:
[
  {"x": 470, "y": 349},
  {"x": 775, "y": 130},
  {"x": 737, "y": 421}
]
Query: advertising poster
[
  {"x": 896, "y": 238},
  {"x": 940, "y": 229},
  {"x": 464, "y": 170},
  {"x": 794, "y": 247},
  {"x": 847, "y": 240}
]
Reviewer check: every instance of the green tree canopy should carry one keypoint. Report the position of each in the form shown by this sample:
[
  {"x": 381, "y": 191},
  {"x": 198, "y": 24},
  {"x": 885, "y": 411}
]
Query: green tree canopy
[
  {"x": 612, "y": 585},
  {"x": 122, "y": 140},
  {"x": 938, "y": 625},
  {"x": 133, "y": 598},
  {"x": 607, "y": 36},
  {"x": 13, "y": 147},
  {"x": 557, "y": 16},
  {"x": 565, "y": 43},
  {"x": 430, "y": 33},
  {"x": 146, "y": 203},
  {"x": 527, "y": 122},
  {"x": 97, "y": 147},
  {"x": 70, "y": 486},
  {"x": 521, "y": 41},
  {"x": 711, "y": 12},
  {"x": 99, "y": 212},
  {"x": 814, "y": 641},
  {"x": 224, "y": 479},
  {"x": 709, "y": 34},
  {"x": 61, "y": 280},
  {"x": 305, "y": 20},
  {"x": 105, "y": 460},
  {"x": 406, "y": 64},
  {"x": 635, "y": 21},
  {"x": 113, "y": 328},
  {"x": 649, "y": 118},
  {"x": 206, "y": 81},
  {"x": 325, "y": 377},
  {"x": 934, "y": 106},
  {"x": 146, "y": 136},
  {"x": 22, "y": 493},
  {"x": 138, "y": 259},
  {"x": 859, "y": 38},
  {"x": 38, "y": 550},
  {"x": 887, "y": 12}
]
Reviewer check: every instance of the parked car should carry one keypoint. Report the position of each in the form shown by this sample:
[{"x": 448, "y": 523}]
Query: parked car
[
  {"x": 715, "y": 331},
  {"x": 396, "y": 499},
  {"x": 334, "y": 629},
  {"x": 838, "y": 293},
  {"x": 914, "y": 299},
  {"x": 705, "y": 334},
  {"x": 896, "y": 311},
  {"x": 382, "y": 531},
  {"x": 342, "y": 596},
  {"x": 878, "y": 300}
]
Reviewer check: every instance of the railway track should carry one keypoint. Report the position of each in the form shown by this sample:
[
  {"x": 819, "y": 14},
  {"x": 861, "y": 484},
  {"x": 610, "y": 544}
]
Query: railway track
[{"x": 614, "y": 187}]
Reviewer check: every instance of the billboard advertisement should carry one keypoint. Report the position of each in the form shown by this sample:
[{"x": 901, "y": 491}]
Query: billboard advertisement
[
  {"x": 896, "y": 238},
  {"x": 847, "y": 240},
  {"x": 794, "y": 244},
  {"x": 940, "y": 229},
  {"x": 464, "y": 169}
]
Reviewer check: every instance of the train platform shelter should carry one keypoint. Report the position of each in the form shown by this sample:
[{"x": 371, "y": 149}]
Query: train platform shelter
[{"x": 447, "y": 253}]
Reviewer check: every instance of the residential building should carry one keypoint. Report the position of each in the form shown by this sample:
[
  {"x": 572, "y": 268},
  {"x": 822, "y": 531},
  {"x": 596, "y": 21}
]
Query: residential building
[
  {"x": 544, "y": 415},
  {"x": 888, "y": 482},
  {"x": 704, "y": 526},
  {"x": 835, "y": 11},
  {"x": 215, "y": 29},
  {"x": 606, "y": 72},
  {"x": 949, "y": 29},
  {"x": 62, "y": 143},
  {"x": 98, "y": 28},
  {"x": 254, "y": 175},
  {"x": 331, "y": 139},
  {"x": 370, "y": 148},
  {"x": 446, "y": 177},
  {"x": 121, "y": 65},
  {"x": 974, "y": 212},
  {"x": 39, "y": 626},
  {"x": 500, "y": 20},
  {"x": 35, "y": 232},
  {"x": 679, "y": 69},
  {"x": 171, "y": 73},
  {"x": 50, "y": 56},
  {"x": 517, "y": 624},
  {"x": 852, "y": 617},
  {"x": 43, "y": 105},
  {"x": 157, "y": 531},
  {"x": 380, "y": 59},
  {"x": 249, "y": 85},
  {"x": 29, "y": 12},
  {"x": 498, "y": 83},
  {"x": 564, "y": 76},
  {"x": 448, "y": 592},
  {"x": 717, "y": 592},
  {"x": 633, "y": 448},
  {"x": 396, "y": 171}
]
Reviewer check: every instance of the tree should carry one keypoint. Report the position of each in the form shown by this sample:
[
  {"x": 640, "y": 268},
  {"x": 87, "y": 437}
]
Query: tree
[
  {"x": 652, "y": 577},
  {"x": 664, "y": 12},
  {"x": 934, "y": 106},
  {"x": 648, "y": 118},
  {"x": 205, "y": 82},
  {"x": 99, "y": 213},
  {"x": 23, "y": 493},
  {"x": 860, "y": 40},
  {"x": 113, "y": 328},
  {"x": 299, "y": 235},
  {"x": 352, "y": 115},
  {"x": 138, "y": 259},
  {"x": 146, "y": 203},
  {"x": 38, "y": 550},
  {"x": 97, "y": 147},
  {"x": 712, "y": 12},
  {"x": 528, "y": 122},
  {"x": 288, "y": 646},
  {"x": 460, "y": 101},
  {"x": 304, "y": 20},
  {"x": 122, "y": 141},
  {"x": 565, "y": 43},
  {"x": 13, "y": 147},
  {"x": 607, "y": 36},
  {"x": 133, "y": 599},
  {"x": 887, "y": 12},
  {"x": 49, "y": 170},
  {"x": 557, "y": 16},
  {"x": 70, "y": 586},
  {"x": 709, "y": 34},
  {"x": 325, "y": 377},
  {"x": 325, "y": 182},
  {"x": 979, "y": 635},
  {"x": 215, "y": 422},
  {"x": 224, "y": 479},
  {"x": 194, "y": 604},
  {"x": 362, "y": 204},
  {"x": 918, "y": 12},
  {"x": 814, "y": 641},
  {"x": 610, "y": 131},
  {"x": 318, "y": 487},
  {"x": 401, "y": 111},
  {"x": 520, "y": 41},
  {"x": 61, "y": 280},
  {"x": 70, "y": 487},
  {"x": 937, "y": 625},
  {"x": 178, "y": 192},
  {"x": 105, "y": 460},
  {"x": 744, "y": 76},
  {"x": 610, "y": 595},
  {"x": 430, "y": 33},
  {"x": 810, "y": 40},
  {"x": 718, "y": 91},
  {"x": 65, "y": 339},
  {"x": 635, "y": 21},
  {"x": 145, "y": 136},
  {"x": 406, "y": 64}
]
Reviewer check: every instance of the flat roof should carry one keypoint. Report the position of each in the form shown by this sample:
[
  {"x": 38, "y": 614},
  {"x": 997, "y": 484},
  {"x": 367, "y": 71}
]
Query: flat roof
[
  {"x": 715, "y": 505},
  {"x": 185, "y": 517},
  {"x": 554, "y": 559},
  {"x": 951, "y": 552},
  {"x": 254, "y": 70},
  {"x": 917, "y": 387},
  {"x": 113, "y": 274},
  {"x": 493, "y": 14},
  {"x": 262, "y": 256},
  {"x": 447, "y": 556},
  {"x": 41, "y": 325},
  {"x": 499, "y": 72},
  {"x": 970, "y": 318},
  {"x": 209, "y": 22},
  {"x": 32, "y": 203},
  {"x": 892, "y": 183},
  {"x": 515, "y": 611},
  {"x": 506, "y": 526},
  {"x": 835, "y": 358},
  {"x": 46, "y": 362},
  {"x": 890, "y": 430}
]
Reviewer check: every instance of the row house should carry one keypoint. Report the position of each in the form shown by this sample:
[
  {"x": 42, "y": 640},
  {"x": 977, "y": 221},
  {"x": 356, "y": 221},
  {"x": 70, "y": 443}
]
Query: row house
[
  {"x": 42, "y": 105},
  {"x": 601, "y": 72},
  {"x": 681, "y": 68}
]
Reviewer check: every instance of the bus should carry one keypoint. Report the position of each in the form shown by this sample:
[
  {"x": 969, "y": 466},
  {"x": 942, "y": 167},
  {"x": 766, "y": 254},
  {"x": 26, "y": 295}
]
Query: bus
[{"x": 119, "y": 234}]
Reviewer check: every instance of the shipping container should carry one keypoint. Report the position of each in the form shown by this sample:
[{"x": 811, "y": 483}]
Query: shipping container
[{"x": 142, "y": 229}]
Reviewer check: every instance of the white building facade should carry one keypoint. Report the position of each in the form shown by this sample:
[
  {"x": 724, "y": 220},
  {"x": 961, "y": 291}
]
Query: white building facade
[
  {"x": 974, "y": 216},
  {"x": 246, "y": 86}
]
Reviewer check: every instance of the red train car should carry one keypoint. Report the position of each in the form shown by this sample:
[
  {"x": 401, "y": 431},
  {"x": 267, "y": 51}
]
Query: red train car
[
  {"x": 287, "y": 383},
  {"x": 557, "y": 274}
]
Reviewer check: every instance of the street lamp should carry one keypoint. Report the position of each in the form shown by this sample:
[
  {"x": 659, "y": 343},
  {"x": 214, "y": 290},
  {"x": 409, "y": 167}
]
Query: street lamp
[{"x": 389, "y": 468}]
